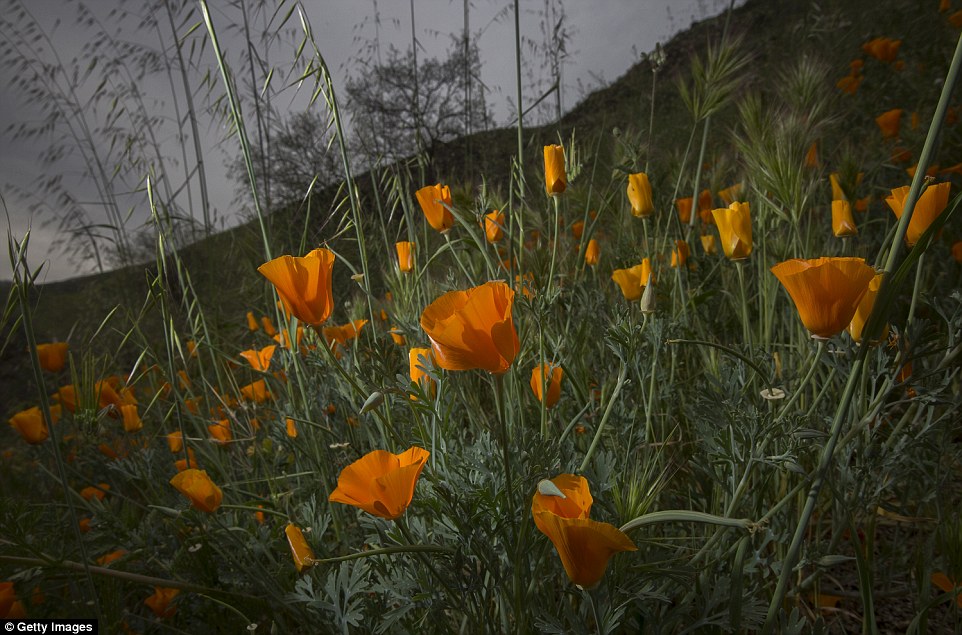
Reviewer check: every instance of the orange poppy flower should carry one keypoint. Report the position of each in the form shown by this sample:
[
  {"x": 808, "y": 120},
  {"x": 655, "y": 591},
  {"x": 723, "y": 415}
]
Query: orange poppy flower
[
  {"x": 259, "y": 360},
  {"x": 592, "y": 253},
  {"x": 252, "y": 322},
  {"x": 555, "y": 177},
  {"x": 11, "y": 608},
  {"x": 381, "y": 483},
  {"x": 956, "y": 19},
  {"x": 160, "y": 601},
  {"x": 175, "y": 441},
  {"x": 553, "y": 383},
  {"x": 679, "y": 255},
  {"x": 132, "y": 420},
  {"x": 708, "y": 244},
  {"x": 197, "y": 486},
  {"x": 405, "y": 256},
  {"x": 269, "y": 329},
  {"x": 735, "y": 228},
  {"x": 291, "y": 427},
  {"x": 303, "y": 284},
  {"x": 301, "y": 551},
  {"x": 494, "y": 226},
  {"x": 632, "y": 281},
  {"x": 584, "y": 545},
  {"x": 256, "y": 392},
  {"x": 849, "y": 84},
  {"x": 98, "y": 491},
  {"x": 397, "y": 336},
  {"x": 339, "y": 336},
  {"x": 220, "y": 432},
  {"x": 473, "y": 328},
  {"x": 284, "y": 338},
  {"x": 730, "y": 194},
  {"x": 944, "y": 5},
  {"x": 113, "y": 556},
  {"x": 420, "y": 360},
  {"x": 929, "y": 206},
  {"x": 433, "y": 199},
  {"x": 53, "y": 356},
  {"x": 883, "y": 49},
  {"x": 31, "y": 426},
  {"x": 843, "y": 224},
  {"x": 864, "y": 310},
  {"x": 826, "y": 291},
  {"x": 889, "y": 123},
  {"x": 639, "y": 195},
  {"x": 189, "y": 462},
  {"x": 684, "y": 206},
  {"x": 944, "y": 582}
]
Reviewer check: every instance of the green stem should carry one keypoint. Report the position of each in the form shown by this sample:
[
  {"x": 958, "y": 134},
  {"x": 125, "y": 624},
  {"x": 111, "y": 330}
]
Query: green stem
[{"x": 622, "y": 375}]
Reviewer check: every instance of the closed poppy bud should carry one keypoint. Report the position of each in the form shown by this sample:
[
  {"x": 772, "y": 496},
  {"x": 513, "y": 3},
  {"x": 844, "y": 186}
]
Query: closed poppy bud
[
  {"x": 826, "y": 291},
  {"x": 679, "y": 255},
  {"x": 31, "y": 426},
  {"x": 864, "y": 310},
  {"x": 175, "y": 441},
  {"x": 301, "y": 552},
  {"x": 553, "y": 383},
  {"x": 256, "y": 391},
  {"x": 303, "y": 284},
  {"x": 11, "y": 608},
  {"x": 199, "y": 489},
  {"x": 578, "y": 229},
  {"x": 708, "y": 244},
  {"x": 160, "y": 601},
  {"x": 420, "y": 360},
  {"x": 220, "y": 432},
  {"x": 260, "y": 360},
  {"x": 405, "y": 256},
  {"x": 957, "y": 251},
  {"x": 705, "y": 204},
  {"x": 268, "y": 325},
  {"x": 53, "y": 357},
  {"x": 494, "y": 226},
  {"x": 592, "y": 253},
  {"x": 930, "y": 204},
  {"x": 132, "y": 421},
  {"x": 381, "y": 483},
  {"x": 473, "y": 328},
  {"x": 555, "y": 177},
  {"x": 684, "y": 206},
  {"x": 639, "y": 195},
  {"x": 251, "y": 322},
  {"x": 843, "y": 224},
  {"x": 397, "y": 336},
  {"x": 889, "y": 123},
  {"x": 811, "y": 157},
  {"x": 735, "y": 228},
  {"x": 433, "y": 200},
  {"x": 584, "y": 545},
  {"x": 291, "y": 428}
]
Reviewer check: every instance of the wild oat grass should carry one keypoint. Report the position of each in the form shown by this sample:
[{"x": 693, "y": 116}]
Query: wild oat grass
[{"x": 510, "y": 407}]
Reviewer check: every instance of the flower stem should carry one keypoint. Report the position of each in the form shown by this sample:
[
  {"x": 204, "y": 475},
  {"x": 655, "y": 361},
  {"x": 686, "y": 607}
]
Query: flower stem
[{"x": 622, "y": 375}]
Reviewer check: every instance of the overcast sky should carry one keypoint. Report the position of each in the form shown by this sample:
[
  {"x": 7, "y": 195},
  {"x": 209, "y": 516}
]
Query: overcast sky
[{"x": 606, "y": 38}]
